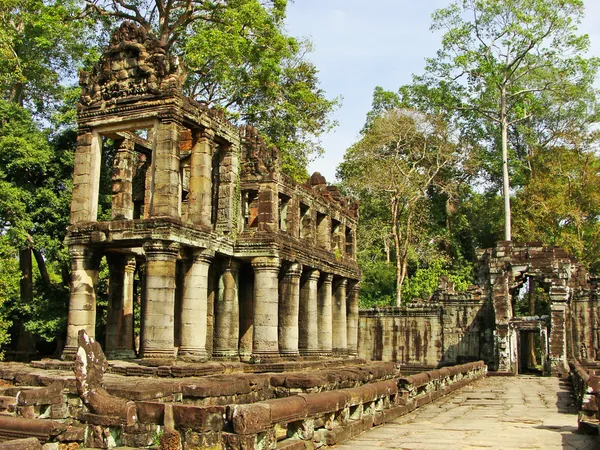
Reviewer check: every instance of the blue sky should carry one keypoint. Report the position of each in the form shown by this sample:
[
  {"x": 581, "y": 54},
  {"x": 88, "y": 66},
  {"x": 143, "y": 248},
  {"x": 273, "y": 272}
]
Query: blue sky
[{"x": 362, "y": 44}]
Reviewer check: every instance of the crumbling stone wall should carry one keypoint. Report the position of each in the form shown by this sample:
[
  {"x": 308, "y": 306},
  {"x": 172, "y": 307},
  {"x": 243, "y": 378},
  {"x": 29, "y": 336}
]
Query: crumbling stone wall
[{"x": 481, "y": 323}]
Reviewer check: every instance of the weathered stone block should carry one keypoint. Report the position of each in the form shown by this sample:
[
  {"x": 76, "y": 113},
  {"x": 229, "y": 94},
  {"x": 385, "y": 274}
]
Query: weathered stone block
[
  {"x": 252, "y": 418},
  {"x": 196, "y": 418}
]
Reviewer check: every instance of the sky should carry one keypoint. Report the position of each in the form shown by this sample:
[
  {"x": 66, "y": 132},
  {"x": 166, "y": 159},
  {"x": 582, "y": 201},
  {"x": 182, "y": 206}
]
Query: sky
[{"x": 360, "y": 44}]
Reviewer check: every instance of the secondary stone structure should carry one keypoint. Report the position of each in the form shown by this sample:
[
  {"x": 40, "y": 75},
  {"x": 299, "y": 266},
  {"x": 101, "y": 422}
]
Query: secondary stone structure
[
  {"x": 227, "y": 257},
  {"x": 482, "y": 323}
]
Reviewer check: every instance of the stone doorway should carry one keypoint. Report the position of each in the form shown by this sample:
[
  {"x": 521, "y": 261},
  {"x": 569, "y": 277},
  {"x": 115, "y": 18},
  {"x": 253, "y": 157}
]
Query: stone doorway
[{"x": 531, "y": 346}]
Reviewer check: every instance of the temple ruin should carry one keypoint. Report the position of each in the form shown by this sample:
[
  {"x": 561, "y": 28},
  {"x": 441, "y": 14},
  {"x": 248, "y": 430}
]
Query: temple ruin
[
  {"x": 232, "y": 259},
  {"x": 482, "y": 324}
]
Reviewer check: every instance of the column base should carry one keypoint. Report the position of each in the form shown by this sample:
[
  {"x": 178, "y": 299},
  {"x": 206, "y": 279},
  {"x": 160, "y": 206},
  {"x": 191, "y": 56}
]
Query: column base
[
  {"x": 120, "y": 353},
  {"x": 306, "y": 352},
  {"x": 226, "y": 355},
  {"x": 340, "y": 351},
  {"x": 69, "y": 354},
  {"x": 289, "y": 353},
  {"x": 157, "y": 353},
  {"x": 262, "y": 357},
  {"x": 192, "y": 353}
]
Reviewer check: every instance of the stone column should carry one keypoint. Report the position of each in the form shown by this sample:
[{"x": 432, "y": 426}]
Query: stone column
[
  {"x": 559, "y": 296},
  {"x": 200, "y": 197},
  {"x": 266, "y": 297},
  {"x": 268, "y": 211},
  {"x": 228, "y": 176},
  {"x": 158, "y": 320},
  {"x": 289, "y": 301},
  {"x": 340, "y": 328},
  {"x": 307, "y": 324},
  {"x": 119, "y": 319},
  {"x": 194, "y": 305},
  {"x": 82, "y": 300},
  {"x": 86, "y": 177},
  {"x": 165, "y": 189},
  {"x": 324, "y": 315},
  {"x": 352, "y": 308},
  {"x": 227, "y": 312},
  {"x": 122, "y": 181}
]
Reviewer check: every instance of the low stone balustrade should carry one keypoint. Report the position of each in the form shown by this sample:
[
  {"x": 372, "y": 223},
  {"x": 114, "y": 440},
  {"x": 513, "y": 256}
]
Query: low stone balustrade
[{"x": 586, "y": 385}]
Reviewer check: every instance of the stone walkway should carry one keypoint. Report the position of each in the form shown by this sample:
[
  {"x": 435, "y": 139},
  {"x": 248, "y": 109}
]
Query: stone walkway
[{"x": 494, "y": 413}]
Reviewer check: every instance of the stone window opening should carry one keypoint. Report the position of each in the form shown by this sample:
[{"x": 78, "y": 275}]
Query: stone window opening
[
  {"x": 336, "y": 246},
  {"x": 323, "y": 231},
  {"x": 305, "y": 232},
  {"x": 214, "y": 210},
  {"x": 250, "y": 208},
  {"x": 120, "y": 174},
  {"x": 349, "y": 241},
  {"x": 283, "y": 204}
]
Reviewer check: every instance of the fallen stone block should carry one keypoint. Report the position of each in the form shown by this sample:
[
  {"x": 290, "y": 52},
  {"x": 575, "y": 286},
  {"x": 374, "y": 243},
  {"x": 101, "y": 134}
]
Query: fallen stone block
[{"x": 21, "y": 444}]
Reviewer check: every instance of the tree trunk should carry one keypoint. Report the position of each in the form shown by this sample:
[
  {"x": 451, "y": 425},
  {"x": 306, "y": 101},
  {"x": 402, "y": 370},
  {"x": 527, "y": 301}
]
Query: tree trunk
[
  {"x": 25, "y": 343},
  {"x": 532, "y": 357},
  {"x": 39, "y": 259},
  {"x": 399, "y": 254},
  {"x": 505, "y": 175}
]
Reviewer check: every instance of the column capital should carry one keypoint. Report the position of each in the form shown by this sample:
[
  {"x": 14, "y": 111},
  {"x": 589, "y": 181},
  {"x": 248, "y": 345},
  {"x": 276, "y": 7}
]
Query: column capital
[
  {"x": 201, "y": 134},
  {"x": 294, "y": 270},
  {"x": 341, "y": 282},
  {"x": 353, "y": 286},
  {"x": 80, "y": 252},
  {"x": 265, "y": 263},
  {"x": 167, "y": 248},
  {"x": 312, "y": 274},
  {"x": 201, "y": 255},
  {"x": 126, "y": 145},
  {"x": 231, "y": 265},
  {"x": 327, "y": 277},
  {"x": 130, "y": 264}
]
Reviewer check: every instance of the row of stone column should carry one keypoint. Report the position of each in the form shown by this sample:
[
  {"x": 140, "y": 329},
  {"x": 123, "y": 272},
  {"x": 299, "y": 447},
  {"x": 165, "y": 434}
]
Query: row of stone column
[{"x": 301, "y": 312}]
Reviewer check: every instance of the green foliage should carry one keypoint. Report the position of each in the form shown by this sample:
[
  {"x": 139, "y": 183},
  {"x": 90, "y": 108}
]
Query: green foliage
[
  {"x": 378, "y": 285},
  {"x": 35, "y": 193},
  {"x": 561, "y": 204},
  {"x": 425, "y": 280},
  {"x": 40, "y": 43}
]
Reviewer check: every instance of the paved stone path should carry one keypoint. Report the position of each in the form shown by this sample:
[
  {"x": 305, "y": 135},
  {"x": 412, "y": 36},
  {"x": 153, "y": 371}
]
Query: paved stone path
[{"x": 494, "y": 413}]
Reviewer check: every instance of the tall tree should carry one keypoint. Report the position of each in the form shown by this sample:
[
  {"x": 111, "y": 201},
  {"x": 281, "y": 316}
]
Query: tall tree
[
  {"x": 407, "y": 150},
  {"x": 502, "y": 56}
]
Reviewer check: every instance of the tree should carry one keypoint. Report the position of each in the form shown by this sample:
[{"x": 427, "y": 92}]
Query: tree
[
  {"x": 561, "y": 204},
  {"x": 35, "y": 188},
  {"x": 41, "y": 43},
  {"x": 407, "y": 150},
  {"x": 240, "y": 60},
  {"x": 502, "y": 56}
]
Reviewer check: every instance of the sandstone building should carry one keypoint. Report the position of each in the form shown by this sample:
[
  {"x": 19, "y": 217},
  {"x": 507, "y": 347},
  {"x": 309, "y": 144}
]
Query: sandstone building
[{"x": 233, "y": 260}]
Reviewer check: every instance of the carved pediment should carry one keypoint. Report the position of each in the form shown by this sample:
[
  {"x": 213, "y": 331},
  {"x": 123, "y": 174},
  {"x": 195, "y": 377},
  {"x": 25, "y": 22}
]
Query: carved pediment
[
  {"x": 258, "y": 158},
  {"x": 134, "y": 64}
]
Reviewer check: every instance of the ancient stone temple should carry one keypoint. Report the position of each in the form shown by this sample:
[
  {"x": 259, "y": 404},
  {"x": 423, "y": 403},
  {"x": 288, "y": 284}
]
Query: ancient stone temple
[{"x": 226, "y": 256}]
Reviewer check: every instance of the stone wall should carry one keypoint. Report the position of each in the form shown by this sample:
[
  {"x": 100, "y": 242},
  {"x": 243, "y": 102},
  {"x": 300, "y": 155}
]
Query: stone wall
[
  {"x": 451, "y": 328},
  {"x": 480, "y": 323}
]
